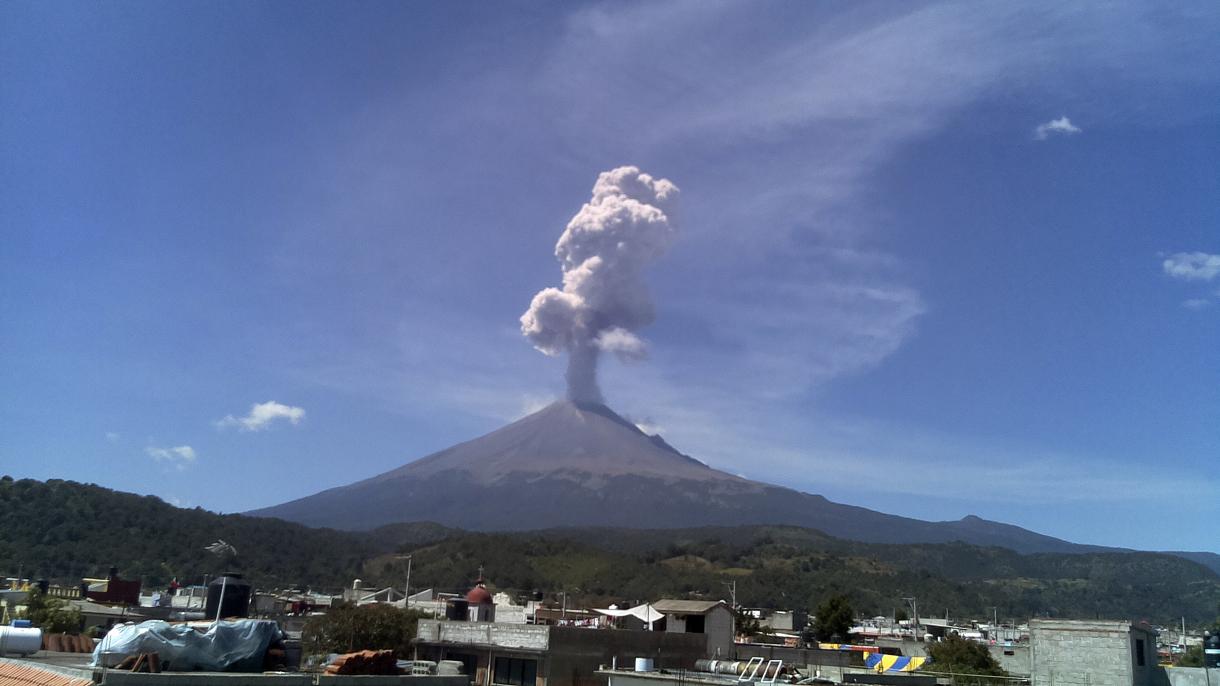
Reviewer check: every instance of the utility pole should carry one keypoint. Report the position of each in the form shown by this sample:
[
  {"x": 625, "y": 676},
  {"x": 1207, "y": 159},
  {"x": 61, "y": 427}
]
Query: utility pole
[
  {"x": 915, "y": 617},
  {"x": 406, "y": 590},
  {"x": 732, "y": 586}
]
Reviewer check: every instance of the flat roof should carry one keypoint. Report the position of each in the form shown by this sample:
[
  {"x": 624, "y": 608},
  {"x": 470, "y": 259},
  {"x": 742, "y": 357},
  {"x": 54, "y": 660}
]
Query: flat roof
[
  {"x": 686, "y": 607},
  {"x": 1089, "y": 625}
]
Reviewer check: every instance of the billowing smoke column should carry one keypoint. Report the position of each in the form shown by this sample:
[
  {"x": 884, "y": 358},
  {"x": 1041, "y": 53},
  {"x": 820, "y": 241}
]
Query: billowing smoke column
[{"x": 626, "y": 225}]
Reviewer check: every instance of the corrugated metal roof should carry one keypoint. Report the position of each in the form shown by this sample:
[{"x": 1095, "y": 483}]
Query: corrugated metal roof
[{"x": 686, "y": 607}]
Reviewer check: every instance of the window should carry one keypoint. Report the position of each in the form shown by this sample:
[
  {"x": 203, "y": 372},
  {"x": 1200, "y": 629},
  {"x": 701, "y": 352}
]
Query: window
[
  {"x": 1139, "y": 652},
  {"x": 694, "y": 624},
  {"x": 512, "y": 671}
]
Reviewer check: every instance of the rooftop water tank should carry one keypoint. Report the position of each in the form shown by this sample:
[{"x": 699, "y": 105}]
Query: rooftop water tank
[
  {"x": 20, "y": 640},
  {"x": 236, "y": 602},
  {"x": 457, "y": 610}
]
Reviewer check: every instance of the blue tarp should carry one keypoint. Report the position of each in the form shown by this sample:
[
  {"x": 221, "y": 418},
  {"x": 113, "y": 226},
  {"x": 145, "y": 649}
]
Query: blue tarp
[{"x": 231, "y": 646}]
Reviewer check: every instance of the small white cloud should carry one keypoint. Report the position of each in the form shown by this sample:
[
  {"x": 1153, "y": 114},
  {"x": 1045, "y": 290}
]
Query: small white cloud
[
  {"x": 1062, "y": 125},
  {"x": 112, "y": 437},
  {"x": 262, "y": 415},
  {"x": 1192, "y": 266},
  {"x": 181, "y": 455},
  {"x": 621, "y": 342},
  {"x": 1196, "y": 303}
]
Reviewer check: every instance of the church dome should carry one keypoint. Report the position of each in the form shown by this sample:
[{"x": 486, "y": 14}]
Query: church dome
[{"x": 479, "y": 595}]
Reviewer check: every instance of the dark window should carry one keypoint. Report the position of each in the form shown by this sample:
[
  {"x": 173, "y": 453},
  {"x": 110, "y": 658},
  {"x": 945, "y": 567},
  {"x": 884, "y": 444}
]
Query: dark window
[
  {"x": 1139, "y": 652},
  {"x": 512, "y": 671},
  {"x": 694, "y": 624}
]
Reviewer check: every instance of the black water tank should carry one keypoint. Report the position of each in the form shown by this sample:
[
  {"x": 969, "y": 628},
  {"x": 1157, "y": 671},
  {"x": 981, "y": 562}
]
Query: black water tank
[
  {"x": 236, "y": 597},
  {"x": 457, "y": 610},
  {"x": 1211, "y": 650}
]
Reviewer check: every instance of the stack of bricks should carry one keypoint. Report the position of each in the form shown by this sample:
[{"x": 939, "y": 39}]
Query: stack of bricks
[{"x": 365, "y": 662}]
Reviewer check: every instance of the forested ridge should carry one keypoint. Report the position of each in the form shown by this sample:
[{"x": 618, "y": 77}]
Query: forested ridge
[{"x": 63, "y": 530}]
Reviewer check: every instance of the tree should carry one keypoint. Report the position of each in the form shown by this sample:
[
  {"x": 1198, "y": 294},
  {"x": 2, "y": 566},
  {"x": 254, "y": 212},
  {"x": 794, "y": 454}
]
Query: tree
[
  {"x": 900, "y": 615},
  {"x": 1193, "y": 657},
  {"x": 347, "y": 628},
  {"x": 833, "y": 619},
  {"x": 747, "y": 625},
  {"x": 959, "y": 656},
  {"x": 51, "y": 614}
]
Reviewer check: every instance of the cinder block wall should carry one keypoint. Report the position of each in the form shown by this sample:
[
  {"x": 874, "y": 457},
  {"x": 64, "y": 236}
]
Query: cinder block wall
[{"x": 1082, "y": 653}]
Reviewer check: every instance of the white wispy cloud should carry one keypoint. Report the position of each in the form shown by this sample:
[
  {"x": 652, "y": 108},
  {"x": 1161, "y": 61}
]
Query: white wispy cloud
[
  {"x": 262, "y": 415},
  {"x": 112, "y": 437},
  {"x": 1061, "y": 126},
  {"x": 1196, "y": 303},
  {"x": 1192, "y": 266},
  {"x": 181, "y": 455}
]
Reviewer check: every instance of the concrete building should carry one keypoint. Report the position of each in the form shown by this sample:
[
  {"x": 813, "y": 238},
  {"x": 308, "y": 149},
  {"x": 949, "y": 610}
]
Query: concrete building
[
  {"x": 105, "y": 616},
  {"x": 1092, "y": 653},
  {"x": 113, "y": 589},
  {"x": 712, "y": 618},
  {"x": 360, "y": 594},
  {"x": 541, "y": 655},
  {"x": 785, "y": 620}
]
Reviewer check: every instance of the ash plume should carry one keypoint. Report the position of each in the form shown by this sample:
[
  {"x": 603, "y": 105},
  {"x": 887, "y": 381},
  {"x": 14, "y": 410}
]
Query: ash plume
[{"x": 627, "y": 224}]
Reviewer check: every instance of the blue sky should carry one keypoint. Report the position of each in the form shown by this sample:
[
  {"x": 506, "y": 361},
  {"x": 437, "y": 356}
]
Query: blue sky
[{"x": 935, "y": 259}]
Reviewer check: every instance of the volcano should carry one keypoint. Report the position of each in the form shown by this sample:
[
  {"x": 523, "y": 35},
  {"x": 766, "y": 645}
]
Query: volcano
[{"x": 580, "y": 464}]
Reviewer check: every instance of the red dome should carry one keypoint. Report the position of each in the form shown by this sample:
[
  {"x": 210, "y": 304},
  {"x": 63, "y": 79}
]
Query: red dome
[{"x": 479, "y": 596}]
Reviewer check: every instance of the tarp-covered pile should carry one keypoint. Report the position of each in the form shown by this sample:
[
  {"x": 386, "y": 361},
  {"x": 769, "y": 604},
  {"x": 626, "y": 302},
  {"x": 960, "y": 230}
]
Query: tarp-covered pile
[
  {"x": 893, "y": 663},
  {"x": 231, "y": 646}
]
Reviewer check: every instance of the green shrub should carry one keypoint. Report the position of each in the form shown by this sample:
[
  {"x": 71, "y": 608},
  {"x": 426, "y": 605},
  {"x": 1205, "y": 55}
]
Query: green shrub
[{"x": 347, "y": 628}]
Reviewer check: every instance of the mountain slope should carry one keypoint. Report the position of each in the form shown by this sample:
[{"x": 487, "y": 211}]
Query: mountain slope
[
  {"x": 564, "y": 437},
  {"x": 62, "y": 530},
  {"x": 583, "y": 465},
  {"x": 780, "y": 566}
]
